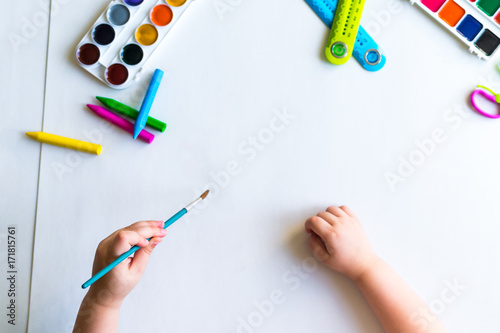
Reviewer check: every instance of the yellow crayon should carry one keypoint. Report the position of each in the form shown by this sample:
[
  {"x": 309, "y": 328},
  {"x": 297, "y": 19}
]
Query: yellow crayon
[{"x": 61, "y": 141}]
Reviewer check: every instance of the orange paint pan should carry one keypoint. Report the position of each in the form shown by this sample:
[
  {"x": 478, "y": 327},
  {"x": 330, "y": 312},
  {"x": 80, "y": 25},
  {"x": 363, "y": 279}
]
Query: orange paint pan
[{"x": 161, "y": 15}]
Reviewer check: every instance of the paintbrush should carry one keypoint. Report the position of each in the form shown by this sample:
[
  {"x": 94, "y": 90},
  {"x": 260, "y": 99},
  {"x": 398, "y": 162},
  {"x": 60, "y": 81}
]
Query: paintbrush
[{"x": 127, "y": 254}]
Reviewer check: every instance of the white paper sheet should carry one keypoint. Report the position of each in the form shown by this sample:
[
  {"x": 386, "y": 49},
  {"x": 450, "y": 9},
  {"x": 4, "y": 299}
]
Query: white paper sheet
[{"x": 228, "y": 74}]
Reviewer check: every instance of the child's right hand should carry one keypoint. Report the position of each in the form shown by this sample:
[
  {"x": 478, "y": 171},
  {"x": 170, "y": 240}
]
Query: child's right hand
[
  {"x": 339, "y": 241},
  {"x": 112, "y": 288},
  {"x": 100, "y": 308}
]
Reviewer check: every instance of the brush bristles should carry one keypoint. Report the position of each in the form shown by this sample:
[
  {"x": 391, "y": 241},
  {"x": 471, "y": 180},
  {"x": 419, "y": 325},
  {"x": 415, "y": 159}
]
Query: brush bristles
[{"x": 204, "y": 195}]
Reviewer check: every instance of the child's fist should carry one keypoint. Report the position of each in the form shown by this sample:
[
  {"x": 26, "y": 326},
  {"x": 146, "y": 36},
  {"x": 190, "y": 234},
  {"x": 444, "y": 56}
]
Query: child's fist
[{"x": 339, "y": 241}]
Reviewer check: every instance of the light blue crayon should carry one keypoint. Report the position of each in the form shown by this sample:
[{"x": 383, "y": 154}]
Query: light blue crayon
[{"x": 142, "y": 118}]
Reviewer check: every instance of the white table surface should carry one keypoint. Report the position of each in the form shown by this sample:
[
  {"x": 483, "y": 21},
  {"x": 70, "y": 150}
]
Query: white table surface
[{"x": 226, "y": 78}]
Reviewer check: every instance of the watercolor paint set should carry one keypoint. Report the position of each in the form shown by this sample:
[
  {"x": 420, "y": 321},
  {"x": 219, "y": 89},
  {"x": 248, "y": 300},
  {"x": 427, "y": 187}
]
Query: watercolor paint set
[
  {"x": 474, "y": 22},
  {"x": 124, "y": 37}
]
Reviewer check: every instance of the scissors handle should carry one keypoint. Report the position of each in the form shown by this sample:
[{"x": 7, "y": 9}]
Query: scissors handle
[{"x": 489, "y": 97}]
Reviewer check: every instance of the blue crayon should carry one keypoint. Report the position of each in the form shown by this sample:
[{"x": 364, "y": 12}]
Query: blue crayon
[{"x": 147, "y": 102}]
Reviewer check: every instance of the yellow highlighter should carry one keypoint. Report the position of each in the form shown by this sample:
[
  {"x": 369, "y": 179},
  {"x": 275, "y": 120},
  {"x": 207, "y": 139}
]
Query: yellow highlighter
[{"x": 61, "y": 141}]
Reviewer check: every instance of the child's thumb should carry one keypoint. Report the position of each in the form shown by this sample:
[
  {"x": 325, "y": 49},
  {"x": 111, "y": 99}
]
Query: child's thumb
[{"x": 141, "y": 256}]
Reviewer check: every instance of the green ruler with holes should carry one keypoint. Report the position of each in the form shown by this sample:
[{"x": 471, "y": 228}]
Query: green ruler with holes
[{"x": 344, "y": 30}]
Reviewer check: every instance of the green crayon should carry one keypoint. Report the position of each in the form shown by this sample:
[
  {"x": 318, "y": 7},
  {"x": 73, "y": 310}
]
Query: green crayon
[{"x": 131, "y": 113}]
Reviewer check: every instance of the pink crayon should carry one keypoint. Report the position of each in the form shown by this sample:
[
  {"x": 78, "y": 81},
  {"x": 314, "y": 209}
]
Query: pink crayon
[{"x": 120, "y": 122}]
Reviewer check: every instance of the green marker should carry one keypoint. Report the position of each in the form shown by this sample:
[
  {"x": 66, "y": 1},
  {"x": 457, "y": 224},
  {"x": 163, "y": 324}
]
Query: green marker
[{"x": 131, "y": 113}]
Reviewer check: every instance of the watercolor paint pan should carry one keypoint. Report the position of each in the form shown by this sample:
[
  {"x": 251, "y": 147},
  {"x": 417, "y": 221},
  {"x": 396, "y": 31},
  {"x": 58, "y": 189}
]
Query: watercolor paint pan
[
  {"x": 466, "y": 23},
  {"x": 124, "y": 36}
]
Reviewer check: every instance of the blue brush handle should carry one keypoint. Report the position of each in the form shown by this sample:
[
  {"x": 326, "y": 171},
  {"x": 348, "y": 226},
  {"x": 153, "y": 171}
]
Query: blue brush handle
[
  {"x": 147, "y": 103},
  {"x": 366, "y": 51},
  {"x": 132, "y": 250}
]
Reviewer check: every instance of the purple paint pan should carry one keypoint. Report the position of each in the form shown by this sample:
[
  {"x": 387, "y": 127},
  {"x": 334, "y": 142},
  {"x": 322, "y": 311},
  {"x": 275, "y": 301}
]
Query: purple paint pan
[{"x": 133, "y": 2}]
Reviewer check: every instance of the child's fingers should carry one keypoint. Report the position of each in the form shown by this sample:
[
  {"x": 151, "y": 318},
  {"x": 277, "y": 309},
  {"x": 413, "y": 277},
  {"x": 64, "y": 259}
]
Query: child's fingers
[
  {"x": 319, "y": 226},
  {"x": 328, "y": 217},
  {"x": 153, "y": 223},
  {"x": 335, "y": 211},
  {"x": 318, "y": 248},
  {"x": 347, "y": 210},
  {"x": 141, "y": 257},
  {"x": 124, "y": 240},
  {"x": 148, "y": 229},
  {"x": 108, "y": 240}
]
